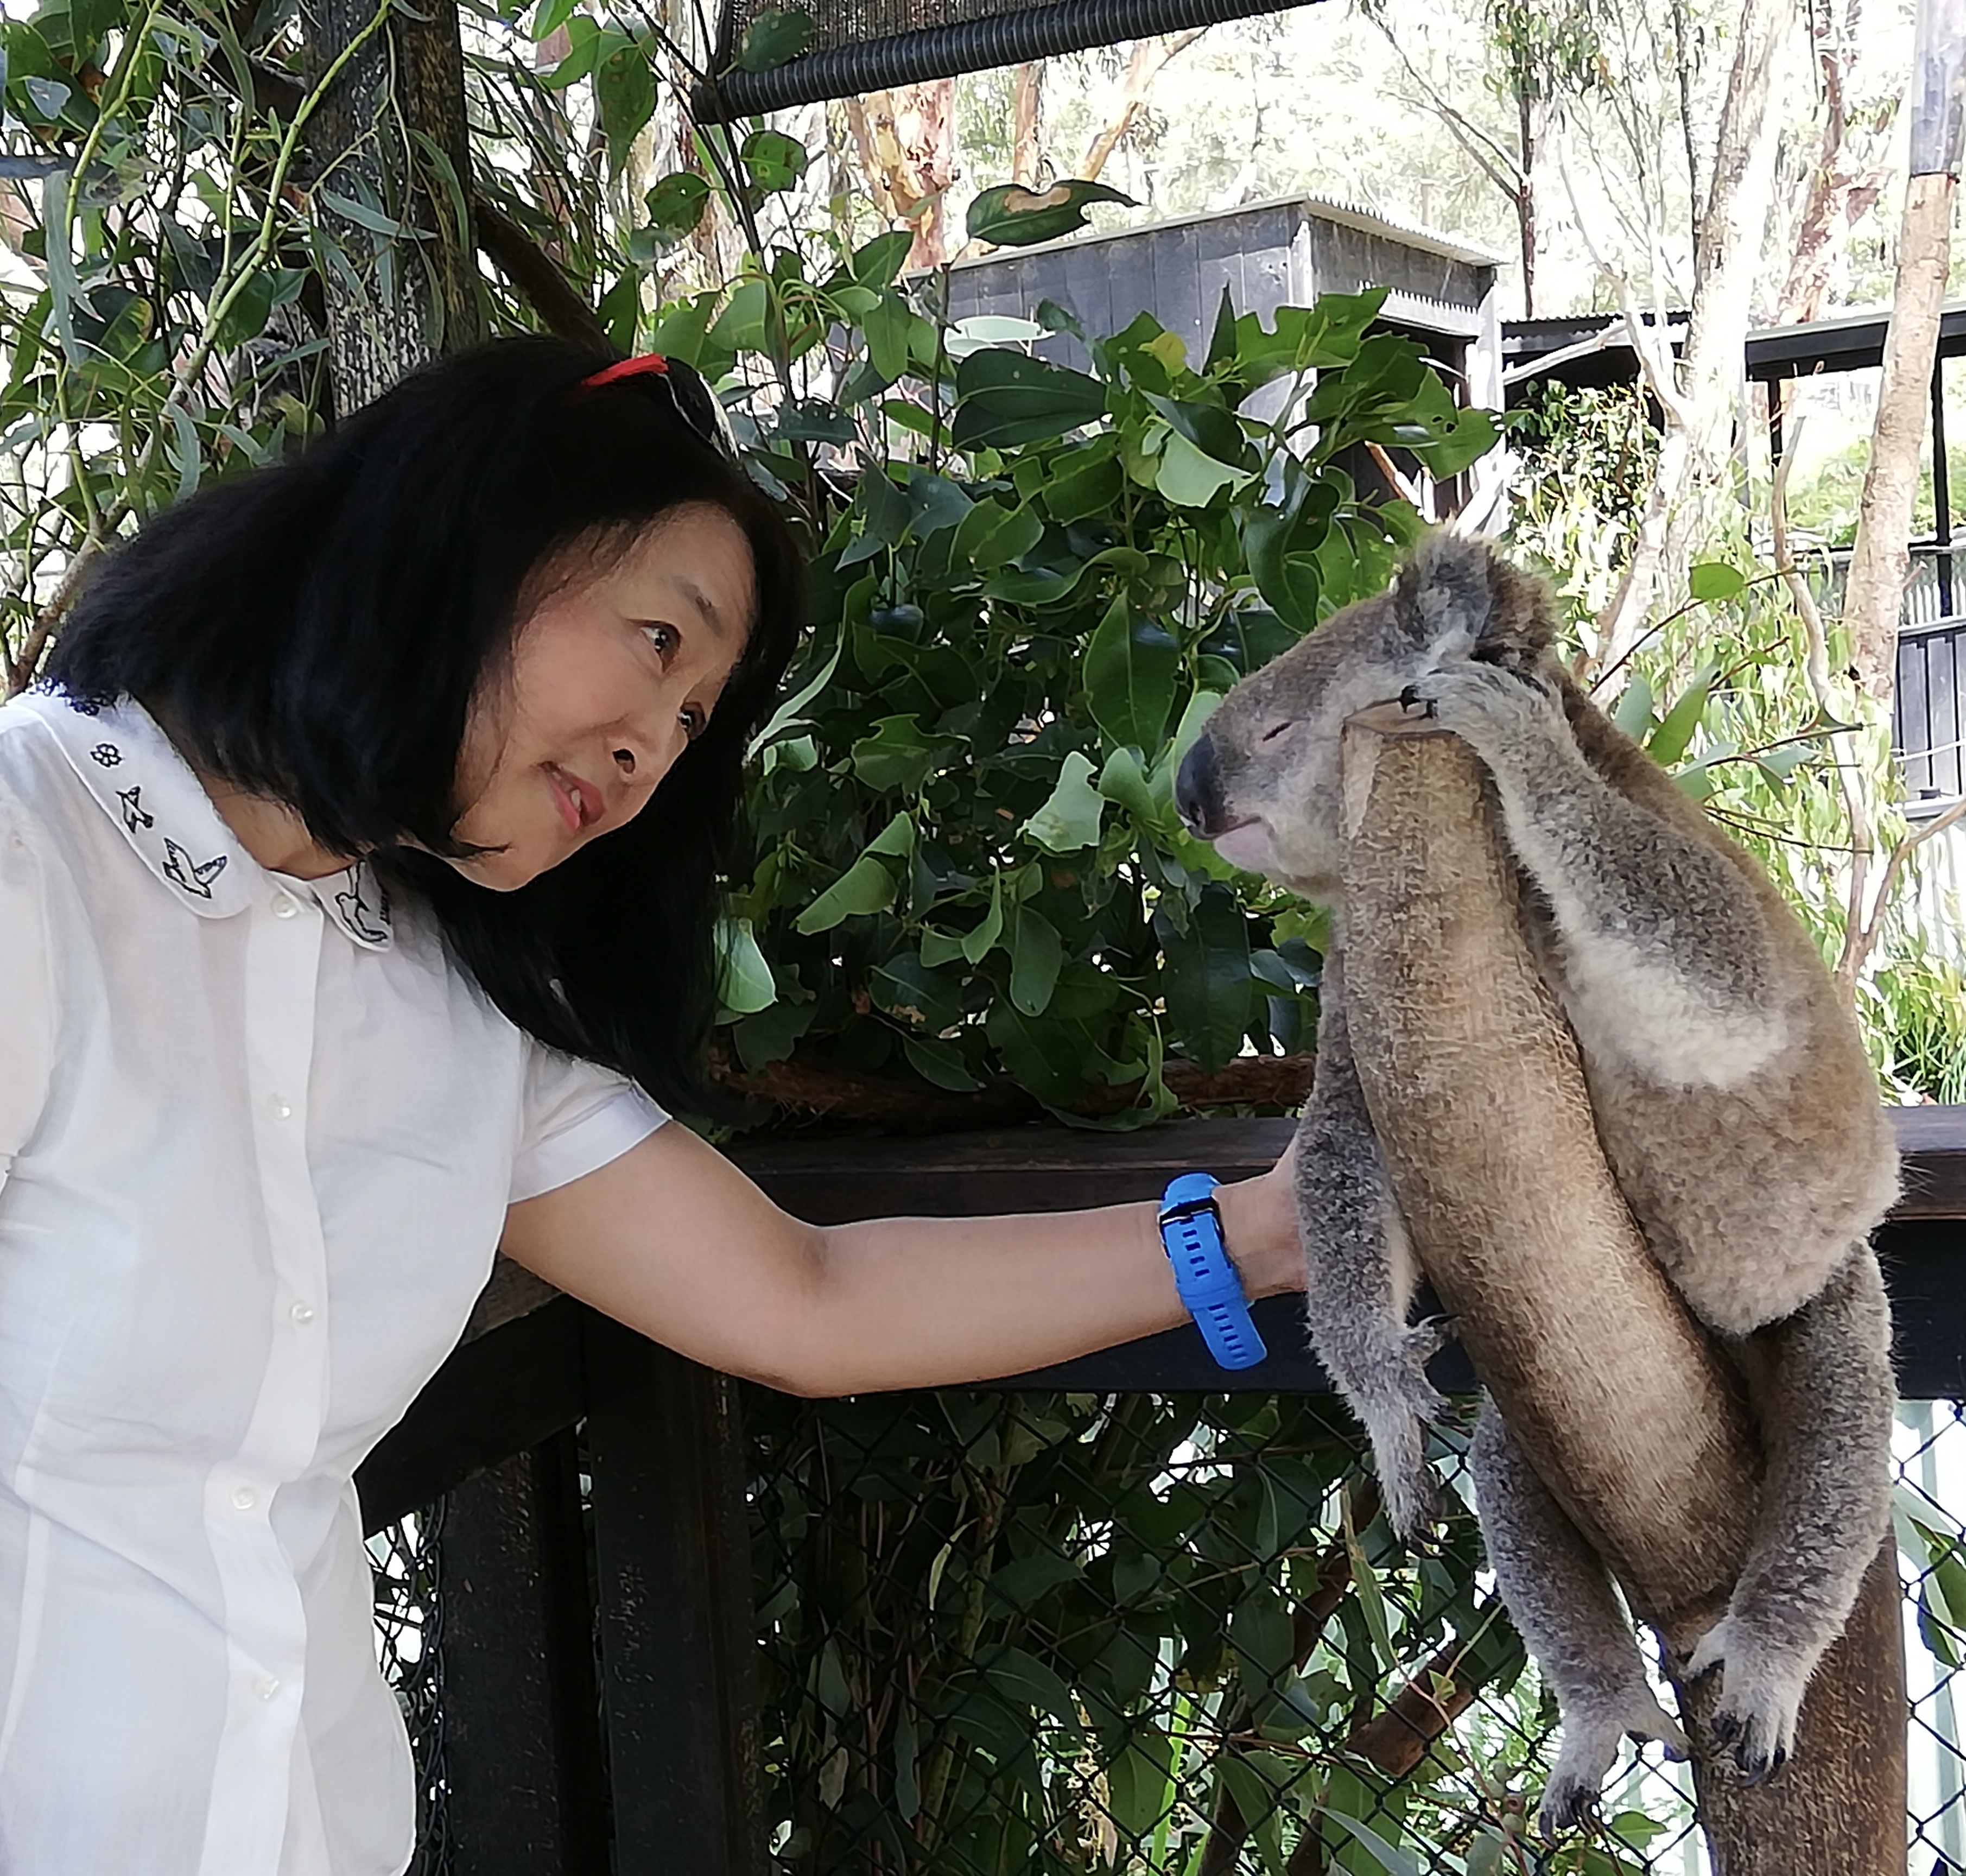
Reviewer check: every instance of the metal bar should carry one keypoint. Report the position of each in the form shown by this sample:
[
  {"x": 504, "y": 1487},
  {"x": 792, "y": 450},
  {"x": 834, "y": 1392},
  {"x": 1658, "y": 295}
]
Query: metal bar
[
  {"x": 502, "y": 1394},
  {"x": 527, "y": 1794},
  {"x": 677, "y": 1621},
  {"x": 965, "y": 46},
  {"x": 1942, "y": 490}
]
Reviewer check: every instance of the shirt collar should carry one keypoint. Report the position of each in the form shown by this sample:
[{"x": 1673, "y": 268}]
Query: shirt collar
[{"x": 142, "y": 783}]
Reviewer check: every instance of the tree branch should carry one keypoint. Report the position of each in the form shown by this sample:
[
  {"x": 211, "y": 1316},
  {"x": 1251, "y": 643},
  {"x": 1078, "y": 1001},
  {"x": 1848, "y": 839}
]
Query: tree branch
[{"x": 515, "y": 254}]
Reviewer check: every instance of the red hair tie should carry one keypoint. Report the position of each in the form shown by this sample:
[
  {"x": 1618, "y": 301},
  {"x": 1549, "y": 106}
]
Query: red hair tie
[{"x": 626, "y": 368}]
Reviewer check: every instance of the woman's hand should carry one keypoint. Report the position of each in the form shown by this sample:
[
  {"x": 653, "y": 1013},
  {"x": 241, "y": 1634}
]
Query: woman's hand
[
  {"x": 1259, "y": 1227},
  {"x": 673, "y": 1240}
]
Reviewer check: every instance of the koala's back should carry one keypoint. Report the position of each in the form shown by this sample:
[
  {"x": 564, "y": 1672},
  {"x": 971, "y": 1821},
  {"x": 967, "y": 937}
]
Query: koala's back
[{"x": 1753, "y": 1189}]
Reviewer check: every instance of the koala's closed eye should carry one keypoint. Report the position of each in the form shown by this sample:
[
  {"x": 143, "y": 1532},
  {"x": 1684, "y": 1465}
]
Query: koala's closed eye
[{"x": 1270, "y": 735}]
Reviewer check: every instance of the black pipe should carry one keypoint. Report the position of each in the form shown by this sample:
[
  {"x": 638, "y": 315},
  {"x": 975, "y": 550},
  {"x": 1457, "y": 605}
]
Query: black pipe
[{"x": 967, "y": 46}]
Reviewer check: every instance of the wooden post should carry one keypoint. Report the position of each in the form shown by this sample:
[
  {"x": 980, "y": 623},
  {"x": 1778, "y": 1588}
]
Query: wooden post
[
  {"x": 677, "y": 1622},
  {"x": 1610, "y": 1387},
  {"x": 527, "y": 1789}
]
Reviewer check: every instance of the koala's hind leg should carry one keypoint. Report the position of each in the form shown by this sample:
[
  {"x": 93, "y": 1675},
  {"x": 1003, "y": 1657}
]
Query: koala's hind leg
[
  {"x": 1573, "y": 1621},
  {"x": 1360, "y": 1273},
  {"x": 1821, "y": 1385}
]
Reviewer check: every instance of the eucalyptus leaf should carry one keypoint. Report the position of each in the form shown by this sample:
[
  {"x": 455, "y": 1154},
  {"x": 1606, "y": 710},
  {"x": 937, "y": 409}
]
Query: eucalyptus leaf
[{"x": 1010, "y": 215}]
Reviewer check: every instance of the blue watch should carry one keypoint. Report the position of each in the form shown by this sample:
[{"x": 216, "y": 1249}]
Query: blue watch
[{"x": 1204, "y": 1278}]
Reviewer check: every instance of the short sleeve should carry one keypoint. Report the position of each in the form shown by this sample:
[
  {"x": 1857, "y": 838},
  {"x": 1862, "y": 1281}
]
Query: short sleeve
[
  {"x": 577, "y": 1117},
  {"x": 27, "y": 967}
]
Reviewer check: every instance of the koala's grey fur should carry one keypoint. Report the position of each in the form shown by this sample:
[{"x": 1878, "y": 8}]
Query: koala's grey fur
[{"x": 1732, "y": 1094}]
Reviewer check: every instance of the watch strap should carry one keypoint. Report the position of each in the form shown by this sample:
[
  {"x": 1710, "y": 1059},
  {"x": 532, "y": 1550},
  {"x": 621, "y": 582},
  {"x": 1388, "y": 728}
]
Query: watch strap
[{"x": 1190, "y": 1226}]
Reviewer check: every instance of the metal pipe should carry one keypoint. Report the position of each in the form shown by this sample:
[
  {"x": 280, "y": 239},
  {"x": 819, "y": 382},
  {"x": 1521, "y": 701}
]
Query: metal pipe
[{"x": 1009, "y": 38}]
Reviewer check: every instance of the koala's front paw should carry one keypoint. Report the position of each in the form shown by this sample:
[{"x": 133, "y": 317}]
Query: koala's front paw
[
  {"x": 1591, "y": 1738},
  {"x": 1760, "y": 1695},
  {"x": 1489, "y": 706}
]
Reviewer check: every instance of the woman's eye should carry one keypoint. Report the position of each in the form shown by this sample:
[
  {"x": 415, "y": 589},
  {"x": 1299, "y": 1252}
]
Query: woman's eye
[
  {"x": 693, "y": 721},
  {"x": 663, "y": 638}
]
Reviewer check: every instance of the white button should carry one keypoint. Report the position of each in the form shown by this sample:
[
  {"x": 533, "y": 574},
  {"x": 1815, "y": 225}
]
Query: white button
[
  {"x": 302, "y": 1314},
  {"x": 284, "y": 905},
  {"x": 244, "y": 1497},
  {"x": 280, "y": 1110},
  {"x": 266, "y": 1686}
]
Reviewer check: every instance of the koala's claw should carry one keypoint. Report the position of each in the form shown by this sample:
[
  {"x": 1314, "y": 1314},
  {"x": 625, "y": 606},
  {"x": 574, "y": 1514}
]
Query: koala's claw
[
  {"x": 1761, "y": 1696},
  {"x": 1411, "y": 699},
  {"x": 1590, "y": 1749}
]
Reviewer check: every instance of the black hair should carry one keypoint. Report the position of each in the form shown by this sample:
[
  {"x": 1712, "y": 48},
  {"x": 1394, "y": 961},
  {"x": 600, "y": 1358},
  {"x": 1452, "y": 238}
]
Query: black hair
[{"x": 315, "y": 632}]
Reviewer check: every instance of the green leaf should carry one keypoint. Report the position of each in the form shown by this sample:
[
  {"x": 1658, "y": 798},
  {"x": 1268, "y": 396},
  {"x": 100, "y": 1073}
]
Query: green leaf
[
  {"x": 1710, "y": 580},
  {"x": 1206, "y": 979},
  {"x": 1632, "y": 713},
  {"x": 1035, "y": 957},
  {"x": 1003, "y": 398},
  {"x": 745, "y": 983},
  {"x": 774, "y": 39},
  {"x": 676, "y": 203},
  {"x": 1136, "y": 1780},
  {"x": 624, "y": 97},
  {"x": 993, "y": 536},
  {"x": 976, "y": 944},
  {"x": 866, "y": 886},
  {"x": 773, "y": 160},
  {"x": 900, "y": 754},
  {"x": 1024, "y": 1681},
  {"x": 1069, "y": 820},
  {"x": 1012, "y": 216},
  {"x": 913, "y": 993},
  {"x": 742, "y": 326},
  {"x": 1393, "y": 1862},
  {"x": 1669, "y": 743},
  {"x": 939, "y": 1062},
  {"x": 888, "y": 326},
  {"x": 1188, "y": 478},
  {"x": 1133, "y": 667},
  {"x": 1084, "y": 481},
  {"x": 1125, "y": 781}
]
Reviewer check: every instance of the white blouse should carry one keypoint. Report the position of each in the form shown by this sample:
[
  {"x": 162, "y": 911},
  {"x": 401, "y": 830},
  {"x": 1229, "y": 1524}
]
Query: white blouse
[{"x": 257, "y": 1138}]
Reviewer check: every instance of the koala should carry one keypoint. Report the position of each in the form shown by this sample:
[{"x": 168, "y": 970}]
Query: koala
[{"x": 1732, "y": 1096}]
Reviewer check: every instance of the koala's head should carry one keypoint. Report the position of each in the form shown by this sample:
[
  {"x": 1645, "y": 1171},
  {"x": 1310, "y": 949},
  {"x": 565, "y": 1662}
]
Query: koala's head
[{"x": 1262, "y": 780}]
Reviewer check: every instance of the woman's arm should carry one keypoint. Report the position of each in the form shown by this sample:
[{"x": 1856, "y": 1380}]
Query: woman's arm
[{"x": 673, "y": 1240}]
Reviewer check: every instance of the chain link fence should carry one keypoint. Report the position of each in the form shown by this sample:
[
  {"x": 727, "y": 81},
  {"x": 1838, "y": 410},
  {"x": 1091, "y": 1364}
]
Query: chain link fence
[
  {"x": 1170, "y": 1636},
  {"x": 406, "y": 1559},
  {"x": 1146, "y": 1635}
]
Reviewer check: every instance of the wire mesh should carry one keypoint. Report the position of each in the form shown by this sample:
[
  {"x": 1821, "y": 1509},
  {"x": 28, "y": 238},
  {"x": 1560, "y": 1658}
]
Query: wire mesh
[
  {"x": 1171, "y": 1635},
  {"x": 406, "y": 1561}
]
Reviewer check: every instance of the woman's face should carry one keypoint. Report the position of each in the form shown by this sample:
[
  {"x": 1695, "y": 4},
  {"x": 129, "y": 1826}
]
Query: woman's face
[{"x": 612, "y": 675}]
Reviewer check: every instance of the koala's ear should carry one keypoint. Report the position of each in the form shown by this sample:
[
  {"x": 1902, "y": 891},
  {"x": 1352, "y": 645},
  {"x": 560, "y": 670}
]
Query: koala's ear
[{"x": 1459, "y": 598}]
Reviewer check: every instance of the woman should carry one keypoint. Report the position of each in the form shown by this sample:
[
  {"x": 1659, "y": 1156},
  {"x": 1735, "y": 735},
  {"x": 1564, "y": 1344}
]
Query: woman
[{"x": 349, "y": 935}]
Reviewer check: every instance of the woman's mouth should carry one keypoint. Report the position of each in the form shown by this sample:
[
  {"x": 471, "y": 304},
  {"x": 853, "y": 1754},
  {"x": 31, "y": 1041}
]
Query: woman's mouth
[{"x": 579, "y": 802}]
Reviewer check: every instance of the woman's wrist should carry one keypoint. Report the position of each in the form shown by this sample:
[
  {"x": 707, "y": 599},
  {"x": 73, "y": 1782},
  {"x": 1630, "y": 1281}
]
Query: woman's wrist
[{"x": 1259, "y": 1229}]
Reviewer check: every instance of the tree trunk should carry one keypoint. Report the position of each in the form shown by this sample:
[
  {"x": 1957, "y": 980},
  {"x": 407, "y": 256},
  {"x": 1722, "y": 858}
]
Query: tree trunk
[
  {"x": 1026, "y": 146},
  {"x": 1610, "y": 1386},
  {"x": 1525, "y": 194},
  {"x": 906, "y": 137},
  {"x": 1733, "y": 232},
  {"x": 1842, "y": 186},
  {"x": 1875, "y": 593},
  {"x": 1149, "y": 57},
  {"x": 392, "y": 303}
]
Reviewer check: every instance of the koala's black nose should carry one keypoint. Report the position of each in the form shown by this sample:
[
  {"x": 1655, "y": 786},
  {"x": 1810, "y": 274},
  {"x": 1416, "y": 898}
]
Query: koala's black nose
[{"x": 1198, "y": 789}]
